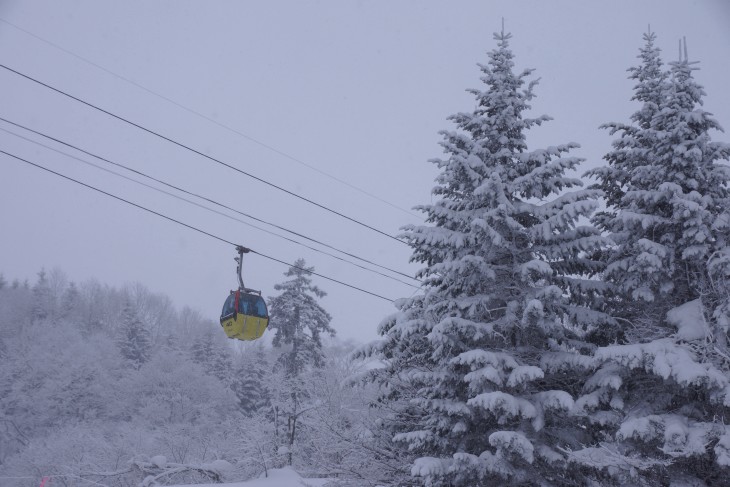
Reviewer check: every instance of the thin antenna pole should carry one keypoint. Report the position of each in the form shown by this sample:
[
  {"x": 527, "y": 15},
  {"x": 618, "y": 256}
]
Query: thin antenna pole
[
  {"x": 686, "y": 57},
  {"x": 680, "y": 50}
]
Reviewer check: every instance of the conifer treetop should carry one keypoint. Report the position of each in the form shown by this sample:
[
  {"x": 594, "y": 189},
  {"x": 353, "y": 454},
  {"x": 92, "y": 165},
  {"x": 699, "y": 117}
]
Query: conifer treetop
[{"x": 298, "y": 319}]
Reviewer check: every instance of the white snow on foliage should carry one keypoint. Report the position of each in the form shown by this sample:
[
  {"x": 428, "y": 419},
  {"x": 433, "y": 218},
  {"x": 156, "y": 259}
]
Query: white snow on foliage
[
  {"x": 501, "y": 404},
  {"x": 428, "y": 467},
  {"x": 666, "y": 359},
  {"x": 607, "y": 456},
  {"x": 484, "y": 357},
  {"x": 556, "y": 361},
  {"x": 524, "y": 373},
  {"x": 279, "y": 477},
  {"x": 513, "y": 442},
  {"x": 608, "y": 376},
  {"x": 487, "y": 373},
  {"x": 689, "y": 320},
  {"x": 722, "y": 449},
  {"x": 681, "y": 436},
  {"x": 539, "y": 267},
  {"x": 555, "y": 400}
]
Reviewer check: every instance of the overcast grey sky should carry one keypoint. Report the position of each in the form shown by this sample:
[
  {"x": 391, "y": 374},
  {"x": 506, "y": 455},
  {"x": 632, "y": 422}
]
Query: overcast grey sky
[{"x": 357, "y": 89}]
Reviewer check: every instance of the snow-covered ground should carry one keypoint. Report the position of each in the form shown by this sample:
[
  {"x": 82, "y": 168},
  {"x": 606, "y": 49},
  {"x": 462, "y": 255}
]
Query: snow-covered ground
[{"x": 282, "y": 477}]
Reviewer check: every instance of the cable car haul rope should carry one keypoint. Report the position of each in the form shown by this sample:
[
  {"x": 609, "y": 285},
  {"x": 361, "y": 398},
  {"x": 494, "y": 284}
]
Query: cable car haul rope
[{"x": 186, "y": 225}]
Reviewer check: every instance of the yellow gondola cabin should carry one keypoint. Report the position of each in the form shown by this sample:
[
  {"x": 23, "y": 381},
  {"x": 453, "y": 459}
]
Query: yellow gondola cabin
[{"x": 244, "y": 315}]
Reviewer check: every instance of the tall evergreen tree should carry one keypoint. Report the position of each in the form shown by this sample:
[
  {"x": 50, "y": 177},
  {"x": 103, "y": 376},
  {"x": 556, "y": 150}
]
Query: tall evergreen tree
[
  {"x": 660, "y": 394},
  {"x": 672, "y": 190},
  {"x": 70, "y": 301},
  {"x": 42, "y": 298},
  {"x": 633, "y": 148},
  {"x": 134, "y": 339},
  {"x": 249, "y": 381},
  {"x": 299, "y": 320},
  {"x": 481, "y": 368},
  {"x": 209, "y": 349}
]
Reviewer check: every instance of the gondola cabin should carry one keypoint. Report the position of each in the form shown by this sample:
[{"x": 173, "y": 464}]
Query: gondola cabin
[{"x": 244, "y": 315}]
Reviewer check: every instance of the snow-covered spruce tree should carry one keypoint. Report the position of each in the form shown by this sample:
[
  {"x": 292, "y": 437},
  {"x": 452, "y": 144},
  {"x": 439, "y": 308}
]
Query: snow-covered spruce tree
[
  {"x": 133, "y": 338},
  {"x": 70, "y": 302},
  {"x": 660, "y": 394},
  {"x": 633, "y": 148},
  {"x": 482, "y": 367},
  {"x": 210, "y": 350},
  {"x": 249, "y": 381},
  {"x": 42, "y": 298},
  {"x": 299, "y": 320}
]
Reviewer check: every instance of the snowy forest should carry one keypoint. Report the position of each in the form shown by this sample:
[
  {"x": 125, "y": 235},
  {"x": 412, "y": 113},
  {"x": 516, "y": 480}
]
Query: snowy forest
[{"x": 571, "y": 330}]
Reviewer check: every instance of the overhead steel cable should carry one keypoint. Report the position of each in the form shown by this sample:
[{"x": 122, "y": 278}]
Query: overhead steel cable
[
  {"x": 209, "y": 209},
  {"x": 177, "y": 188},
  {"x": 209, "y": 119},
  {"x": 191, "y": 227},
  {"x": 202, "y": 154}
]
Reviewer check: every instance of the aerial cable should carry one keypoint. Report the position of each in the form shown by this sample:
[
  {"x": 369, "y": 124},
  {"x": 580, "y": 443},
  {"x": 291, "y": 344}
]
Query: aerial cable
[
  {"x": 209, "y": 119},
  {"x": 205, "y": 199},
  {"x": 180, "y": 144},
  {"x": 191, "y": 227},
  {"x": 190, "y": 193},
  {"x": 116, "y": 197},
  {"x": 178, "y": 197}
]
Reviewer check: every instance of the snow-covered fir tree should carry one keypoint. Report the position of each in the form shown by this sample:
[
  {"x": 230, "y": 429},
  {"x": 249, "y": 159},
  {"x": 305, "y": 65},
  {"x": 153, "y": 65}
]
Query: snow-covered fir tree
[
  {"x": 133, "y": 337},
  {"x": 481, "y": 368},
  {"x": 42, "y": 298},
  {"x": 299, "y": 320},
  {"x": 70, "y": 301},
  {"x": 634, "y": 144},
  {"x": 660, "y": 393},
  {"x": 209, "y": 350},
  {"x": 249, "y": 381}
]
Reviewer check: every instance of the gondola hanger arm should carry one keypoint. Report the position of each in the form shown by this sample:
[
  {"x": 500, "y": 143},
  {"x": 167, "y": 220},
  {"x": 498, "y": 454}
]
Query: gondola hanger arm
[{"x": 243, "y": 250}]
